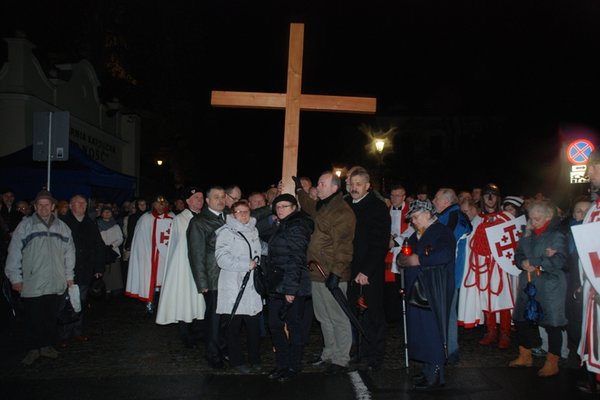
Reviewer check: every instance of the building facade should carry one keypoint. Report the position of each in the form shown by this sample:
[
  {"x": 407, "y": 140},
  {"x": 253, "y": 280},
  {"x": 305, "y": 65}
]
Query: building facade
[{"x": 103, "y": 131}]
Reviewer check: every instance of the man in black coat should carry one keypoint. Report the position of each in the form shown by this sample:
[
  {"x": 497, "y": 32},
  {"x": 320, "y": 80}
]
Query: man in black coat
[
  {"x": 9, "y": 211},
  {"x": 9, "y": 219},
  {"x": 89, "y": 260},
  {"x": 371, "y": 240},
  {"x": 201, "y": 240},
  {"x": 141, "y": 207}
]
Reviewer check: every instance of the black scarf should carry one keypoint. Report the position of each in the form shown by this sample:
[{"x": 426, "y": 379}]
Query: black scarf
[{"x": 326, "y": 200}]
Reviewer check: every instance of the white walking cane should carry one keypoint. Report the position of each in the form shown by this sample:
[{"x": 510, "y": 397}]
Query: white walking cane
[{"x": 403, "y": 294}]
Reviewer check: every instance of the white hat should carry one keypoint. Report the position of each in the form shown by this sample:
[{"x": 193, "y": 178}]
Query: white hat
[{"x": 513, "y": 200}]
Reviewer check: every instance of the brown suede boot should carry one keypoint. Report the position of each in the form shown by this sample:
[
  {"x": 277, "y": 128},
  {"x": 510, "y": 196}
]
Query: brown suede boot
[
  {"x": 525, "y": 358},
  {"x": 492, "y": 331},
  {"x": 550, "y": 367}
]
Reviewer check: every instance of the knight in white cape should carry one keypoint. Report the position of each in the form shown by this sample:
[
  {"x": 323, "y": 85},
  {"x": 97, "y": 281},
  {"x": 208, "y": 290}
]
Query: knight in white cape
[
  {"x": 486, "y": 293},
  {"x": 148, "y": 254},
  {"x": 470, "y": 314},
  {"x": 180, "y": 300},
  {"x": 589, "y": 344}
]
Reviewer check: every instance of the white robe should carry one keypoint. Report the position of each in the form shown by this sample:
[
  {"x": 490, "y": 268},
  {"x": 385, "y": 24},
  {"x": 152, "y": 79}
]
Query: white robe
[
  {"x": 485, "y": 285},
  {"x": 147, "y": 259},
  {"x": 588, "y": 349},
  {"x": 470, "y": 313},
  {"x": 179, "y": 299},
  {"x": 396, "y": 217}
]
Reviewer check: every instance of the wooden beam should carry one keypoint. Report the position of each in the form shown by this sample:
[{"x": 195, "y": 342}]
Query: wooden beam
[{"x": 293, "y": 101}]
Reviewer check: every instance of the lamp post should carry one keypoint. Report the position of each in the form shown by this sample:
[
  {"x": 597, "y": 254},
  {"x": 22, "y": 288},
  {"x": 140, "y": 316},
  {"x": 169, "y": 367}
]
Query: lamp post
[
  {"x": 161, "y": 175},
  {"x": 379, "y": 145}
]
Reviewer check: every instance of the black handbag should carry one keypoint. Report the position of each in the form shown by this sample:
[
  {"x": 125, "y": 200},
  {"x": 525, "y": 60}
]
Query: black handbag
[
  {"x": 110, "y": 256},
  {"x": 66, "y": 313},
  {"x": 259, "y": 276},
  {"x": 416, "y": 296},
  {"x": 260, "y": 281},
  {"x": 97, "y": 287}
]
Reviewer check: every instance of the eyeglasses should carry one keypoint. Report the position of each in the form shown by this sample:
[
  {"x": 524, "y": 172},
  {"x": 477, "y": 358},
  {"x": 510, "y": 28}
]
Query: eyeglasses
[
  {"x": 243, "y": 212},
  {"x": 233, "y": 198},
  {"x": 282, "y": 206}
]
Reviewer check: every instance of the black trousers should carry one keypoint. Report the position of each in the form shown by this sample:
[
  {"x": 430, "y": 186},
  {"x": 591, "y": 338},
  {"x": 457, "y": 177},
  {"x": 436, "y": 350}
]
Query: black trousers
[
  {"x": 214, "y": 329},
  {"x": 288, "y": 350},
  {"x": 75, "y": 328},
  {"x": 372, "y": 320},
  {"x": 190, "y": 332},
  {"x": 234, "y": 342},
  {"x": 528, "y": 336},
  {"x": 40, "y": 316},
  {"x": 307, "y": 318}
]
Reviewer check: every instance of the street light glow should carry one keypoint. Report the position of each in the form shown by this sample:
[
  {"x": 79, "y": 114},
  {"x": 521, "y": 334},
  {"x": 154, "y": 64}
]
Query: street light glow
[
  {"x": 379, "y": 145},
  {"x": 159, "y": 162}
]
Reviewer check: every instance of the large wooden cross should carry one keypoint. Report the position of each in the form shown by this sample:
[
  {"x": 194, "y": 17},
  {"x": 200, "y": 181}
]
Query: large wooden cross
[{"x": 293, "y": 101}]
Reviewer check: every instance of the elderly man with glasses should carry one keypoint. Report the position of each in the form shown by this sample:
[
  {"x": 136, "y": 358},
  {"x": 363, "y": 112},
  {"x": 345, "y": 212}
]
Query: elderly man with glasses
[{"x": 233, "y": 194}]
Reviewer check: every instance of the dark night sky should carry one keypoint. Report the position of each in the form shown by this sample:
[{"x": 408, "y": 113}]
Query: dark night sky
[{"x": 533, "y": 64}]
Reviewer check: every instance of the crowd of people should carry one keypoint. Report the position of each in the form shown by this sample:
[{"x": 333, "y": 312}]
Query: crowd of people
[{"x": 217, "y": 264}]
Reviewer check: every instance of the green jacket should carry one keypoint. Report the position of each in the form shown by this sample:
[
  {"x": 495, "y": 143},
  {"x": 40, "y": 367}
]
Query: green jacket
[{"x": 201, "y": 240}]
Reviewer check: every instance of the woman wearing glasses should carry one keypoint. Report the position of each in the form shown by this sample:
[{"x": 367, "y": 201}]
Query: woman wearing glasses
[
  {"x": 289, "y": 284},
  {"x": 237, "y": 250}
]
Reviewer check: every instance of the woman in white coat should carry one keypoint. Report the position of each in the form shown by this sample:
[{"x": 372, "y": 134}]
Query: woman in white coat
[
  {"x": 237, "y": 250},
  {"x": 113, "y": 237}
]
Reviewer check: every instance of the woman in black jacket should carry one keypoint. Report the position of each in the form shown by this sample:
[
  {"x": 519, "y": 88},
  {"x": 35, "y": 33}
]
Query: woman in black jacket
[{"x": 289, "y": 284}]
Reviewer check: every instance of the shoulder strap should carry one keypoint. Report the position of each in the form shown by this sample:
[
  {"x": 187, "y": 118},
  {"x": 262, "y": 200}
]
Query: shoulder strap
[{"x": 249, "y": 246}]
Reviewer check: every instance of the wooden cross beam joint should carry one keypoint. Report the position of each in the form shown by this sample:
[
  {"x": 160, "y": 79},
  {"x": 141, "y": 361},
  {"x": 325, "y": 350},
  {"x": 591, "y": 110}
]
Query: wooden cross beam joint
[
  {"x": 293, "y": 101},
  {"x": 308, "y": 102}
]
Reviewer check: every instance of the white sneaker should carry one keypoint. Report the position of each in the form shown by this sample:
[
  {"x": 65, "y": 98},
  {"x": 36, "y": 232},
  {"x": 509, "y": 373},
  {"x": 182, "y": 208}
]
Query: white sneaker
[
  {"x": 31, "y": 357},
  {"x": 538, "y": 352},
  {"x": 49, "y": 352}
]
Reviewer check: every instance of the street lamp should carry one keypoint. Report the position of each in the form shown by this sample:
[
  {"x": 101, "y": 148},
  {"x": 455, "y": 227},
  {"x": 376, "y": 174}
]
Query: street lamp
[
  {"x": 159, "y": 162},
  {"x": 379, "y": 145}
]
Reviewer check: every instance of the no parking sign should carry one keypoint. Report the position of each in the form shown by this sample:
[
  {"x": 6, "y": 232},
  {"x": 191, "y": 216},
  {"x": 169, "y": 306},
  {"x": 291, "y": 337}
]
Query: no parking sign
[{"x": 578, "y": 153}]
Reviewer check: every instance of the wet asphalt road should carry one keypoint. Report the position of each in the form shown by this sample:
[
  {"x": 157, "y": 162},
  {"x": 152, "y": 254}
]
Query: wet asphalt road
[{"x": 130, "y": 357}]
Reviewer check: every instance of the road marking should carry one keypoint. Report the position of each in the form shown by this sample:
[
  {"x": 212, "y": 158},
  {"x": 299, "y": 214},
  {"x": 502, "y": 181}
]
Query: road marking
[{"x": 361, "y": 390}]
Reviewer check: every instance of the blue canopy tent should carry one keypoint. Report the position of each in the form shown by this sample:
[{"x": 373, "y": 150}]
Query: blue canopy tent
[{"x": 78, "y": 175}]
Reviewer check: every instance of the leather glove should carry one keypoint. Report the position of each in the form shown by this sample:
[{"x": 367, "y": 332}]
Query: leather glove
[
  {"x": 297, "y": 183},
  {"x": 332, "y": 281}
]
